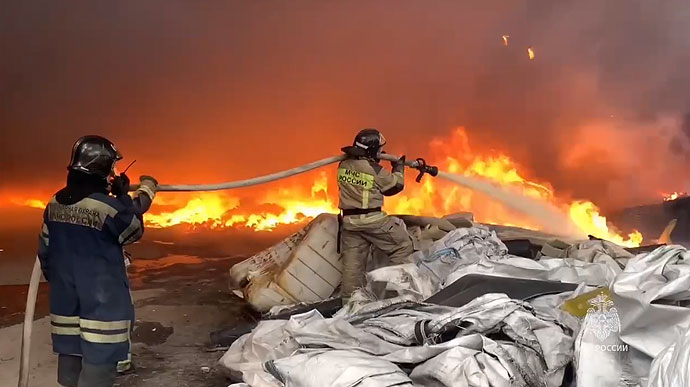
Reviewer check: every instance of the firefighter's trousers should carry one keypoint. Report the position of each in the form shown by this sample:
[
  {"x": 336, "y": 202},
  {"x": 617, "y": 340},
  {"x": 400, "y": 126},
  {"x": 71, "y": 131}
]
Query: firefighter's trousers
[{"x": 362, "y": 232}]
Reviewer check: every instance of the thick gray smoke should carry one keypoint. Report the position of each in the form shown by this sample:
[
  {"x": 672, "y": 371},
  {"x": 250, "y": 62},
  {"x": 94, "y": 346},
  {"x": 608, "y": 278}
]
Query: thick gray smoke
[{"x": 204, "y": 91}]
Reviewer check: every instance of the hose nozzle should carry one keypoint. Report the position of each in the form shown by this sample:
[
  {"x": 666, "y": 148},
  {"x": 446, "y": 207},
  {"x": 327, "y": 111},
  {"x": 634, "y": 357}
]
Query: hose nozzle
[{"x": 423, "y": 168}]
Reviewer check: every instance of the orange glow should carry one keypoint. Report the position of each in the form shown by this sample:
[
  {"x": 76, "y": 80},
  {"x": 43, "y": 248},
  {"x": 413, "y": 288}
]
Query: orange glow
[
  {"x": 296, "y": 205},
  {"x": 33, "y": 203},
  {"x": 674, "y": 196},
  {"x": 204, "y": 208},
  {"x": 586, "y": 216},
  {"x": 530, "y": 53},
  {"x": 220, "y": 209},
  {"x": 505, "y": 40},
  {"x": 454, "y": 154},
  {"x": 302, "y": 198}
]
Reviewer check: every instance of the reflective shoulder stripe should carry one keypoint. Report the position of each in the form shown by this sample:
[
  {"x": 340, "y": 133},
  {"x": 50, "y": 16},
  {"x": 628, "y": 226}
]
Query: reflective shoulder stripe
[
  {"x": 93, "y": 204},
  {"x": 87, "y": 212},
  {"x": 132, "y": 230},
  {"x": 104, "y": 325},
  {"x": 58, "y": 319},
  {"x": 67, "y": 331},
  {"x": 100, "y": 338}
]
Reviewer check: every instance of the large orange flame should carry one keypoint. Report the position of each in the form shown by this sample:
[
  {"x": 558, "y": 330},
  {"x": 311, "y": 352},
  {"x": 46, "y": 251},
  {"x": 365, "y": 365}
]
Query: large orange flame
[
  {"x": 299, "y": 200},
  {"x": 204, "y": 208},
  {"x": 454, "y": 154},
  {"x": 674, "y": 196},
  {"x": 219, "y": 210},
  {"x": 586, "y": 216}
]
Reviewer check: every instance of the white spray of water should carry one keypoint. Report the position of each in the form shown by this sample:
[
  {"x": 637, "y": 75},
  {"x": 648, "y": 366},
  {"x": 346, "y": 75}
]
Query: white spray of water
[{"x": 550, "y": 218}]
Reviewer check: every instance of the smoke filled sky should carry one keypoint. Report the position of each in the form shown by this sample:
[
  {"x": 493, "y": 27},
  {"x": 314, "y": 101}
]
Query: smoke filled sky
[{"x": 209, "y": 91}]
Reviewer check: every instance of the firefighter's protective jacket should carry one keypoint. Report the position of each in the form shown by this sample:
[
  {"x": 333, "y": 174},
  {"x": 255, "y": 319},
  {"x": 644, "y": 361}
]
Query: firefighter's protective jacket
[
  {"x": 363, "y": 183},
  {"x": 81, "y": 255}
]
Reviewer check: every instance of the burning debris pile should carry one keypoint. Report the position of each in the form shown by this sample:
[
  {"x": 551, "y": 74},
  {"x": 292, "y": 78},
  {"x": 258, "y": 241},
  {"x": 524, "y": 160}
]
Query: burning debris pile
[
  {"x": 476, "y": 305},
  {"x": 302, "y": 199},
  {"x": 293, "y": 203},
  {"x": 674, "y": 196}
]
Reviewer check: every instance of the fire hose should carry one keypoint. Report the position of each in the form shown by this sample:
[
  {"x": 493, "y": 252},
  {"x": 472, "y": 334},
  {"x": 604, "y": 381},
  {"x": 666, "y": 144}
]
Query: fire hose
[{"x": 418, "y": 164}]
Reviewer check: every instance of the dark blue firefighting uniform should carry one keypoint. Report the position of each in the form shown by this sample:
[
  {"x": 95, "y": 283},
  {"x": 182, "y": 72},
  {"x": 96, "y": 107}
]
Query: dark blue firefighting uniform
[{"x": 81, "y": 254}]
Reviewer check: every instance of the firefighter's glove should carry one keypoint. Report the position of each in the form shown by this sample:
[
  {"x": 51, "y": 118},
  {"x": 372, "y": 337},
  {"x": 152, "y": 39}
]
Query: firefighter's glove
[
  {"x": 398, "y": 165},
  {"x": 120, "y": 185},
  {"x": 148, "y": 185}
]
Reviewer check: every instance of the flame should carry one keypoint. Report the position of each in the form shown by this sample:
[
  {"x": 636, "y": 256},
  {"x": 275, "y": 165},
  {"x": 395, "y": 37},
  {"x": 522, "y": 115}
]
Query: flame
[
  {"x": 530, "y": 53},
  {"x": 235, "y": 219},
  {"x": 298, "y": 200},
  {"x": 586, "y": 216},
  {"x": 505, "y": 40},
  {"x": 454, "y": 154},
  {"x": 220, "y": 210},
  {"x": 204, "y": 208},
  {"x": 33, "y": 203},
  {"x": 674, "y": 196}
]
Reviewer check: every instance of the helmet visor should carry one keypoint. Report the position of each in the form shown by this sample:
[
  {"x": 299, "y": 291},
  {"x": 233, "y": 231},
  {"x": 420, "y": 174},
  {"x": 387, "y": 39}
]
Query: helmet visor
[
  {"x": 118, "y": 155},
  {"x": 382, "y": 140}
]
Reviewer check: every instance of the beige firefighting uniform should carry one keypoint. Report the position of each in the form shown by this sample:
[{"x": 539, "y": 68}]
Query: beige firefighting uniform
[{"x": 362, "y": 184}]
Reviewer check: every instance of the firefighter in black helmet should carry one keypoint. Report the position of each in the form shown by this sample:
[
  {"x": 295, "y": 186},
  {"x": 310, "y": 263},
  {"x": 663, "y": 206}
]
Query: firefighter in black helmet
[
  {"x": 85, "y": 226},
  {"x": 362, "y": 184}
]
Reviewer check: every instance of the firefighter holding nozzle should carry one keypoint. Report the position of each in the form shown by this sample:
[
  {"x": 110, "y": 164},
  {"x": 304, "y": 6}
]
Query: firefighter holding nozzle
[{"x": 362, "y": 183}]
